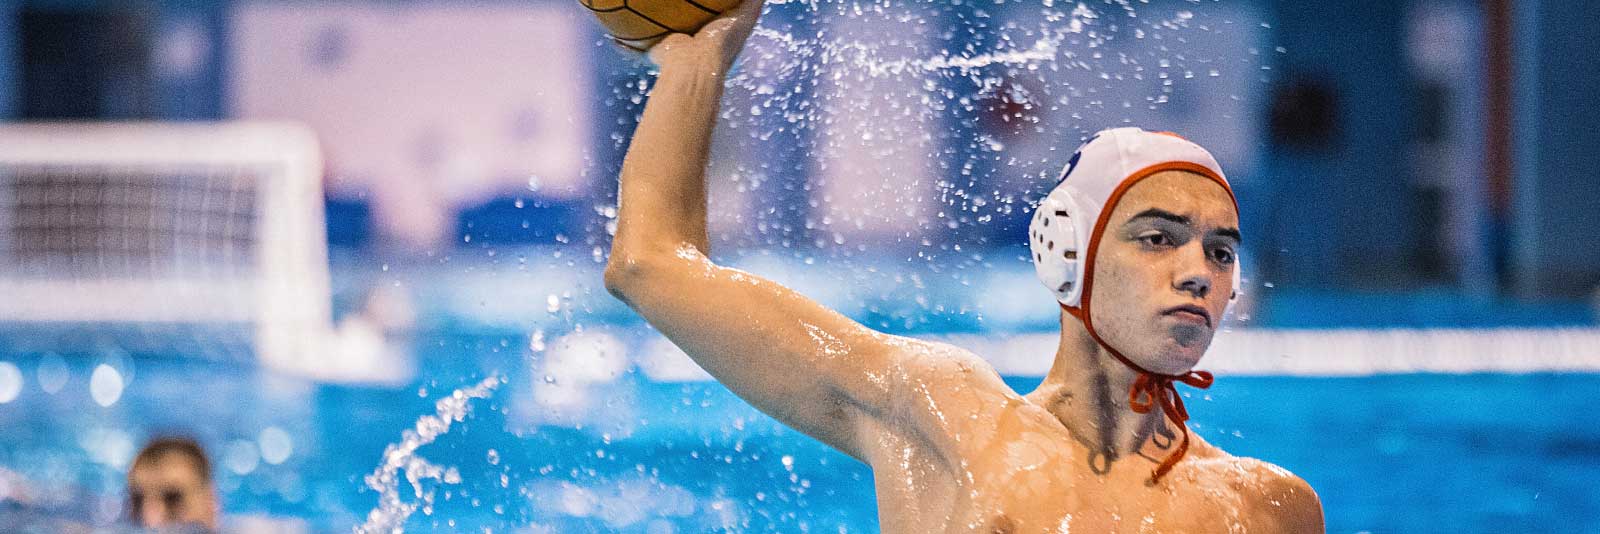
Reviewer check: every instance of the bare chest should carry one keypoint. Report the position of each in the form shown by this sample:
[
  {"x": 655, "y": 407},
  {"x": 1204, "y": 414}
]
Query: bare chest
[{"x": 1024, "y": 479}]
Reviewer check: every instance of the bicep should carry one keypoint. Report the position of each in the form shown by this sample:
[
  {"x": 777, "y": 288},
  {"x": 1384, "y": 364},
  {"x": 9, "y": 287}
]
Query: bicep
[{"x": 805, "y": 365}]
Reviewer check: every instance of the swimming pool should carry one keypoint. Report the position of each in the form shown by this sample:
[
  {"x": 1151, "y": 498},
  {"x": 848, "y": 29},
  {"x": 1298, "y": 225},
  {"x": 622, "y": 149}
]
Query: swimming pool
[
  {"x": 636, "y": 446},
  {"x": 576, "y": 418}
]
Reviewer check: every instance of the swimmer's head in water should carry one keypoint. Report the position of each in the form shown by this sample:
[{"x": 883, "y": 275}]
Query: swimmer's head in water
[
  {"x": 169, "y": 484},
  {"x": 1140, "y": 238}
]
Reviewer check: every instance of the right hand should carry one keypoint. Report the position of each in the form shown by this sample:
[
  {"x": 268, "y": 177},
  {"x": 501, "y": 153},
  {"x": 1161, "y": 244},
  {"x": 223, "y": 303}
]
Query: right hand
[{"x": 718, "y": 42}]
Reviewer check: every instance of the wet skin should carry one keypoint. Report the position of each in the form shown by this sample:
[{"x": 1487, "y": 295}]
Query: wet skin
[{"x": 953, "y": 449}]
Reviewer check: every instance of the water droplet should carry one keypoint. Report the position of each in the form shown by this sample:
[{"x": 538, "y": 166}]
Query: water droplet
[
  {"x": 53, "y": 373},
  {"x": 10, "y": 382},
  {"x": 276, "y": 446},
  {"x": 105, "y": 385}
]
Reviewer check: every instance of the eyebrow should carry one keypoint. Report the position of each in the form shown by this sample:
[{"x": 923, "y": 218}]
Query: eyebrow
[{"x": 1158, "y": 213}]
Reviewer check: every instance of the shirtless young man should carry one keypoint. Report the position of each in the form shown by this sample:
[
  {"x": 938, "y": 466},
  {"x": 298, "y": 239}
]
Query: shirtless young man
[{"x": 1100, "y": 446}]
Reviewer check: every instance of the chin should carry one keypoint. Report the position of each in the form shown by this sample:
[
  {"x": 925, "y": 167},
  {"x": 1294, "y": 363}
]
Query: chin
[
  {"x": 1177, "y": 358},
  {"x": 1173, "y": 363}
]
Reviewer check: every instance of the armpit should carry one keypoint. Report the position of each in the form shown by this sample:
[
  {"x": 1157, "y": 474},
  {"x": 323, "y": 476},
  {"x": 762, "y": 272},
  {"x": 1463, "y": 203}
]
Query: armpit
[{"x": 945, "y": 394}]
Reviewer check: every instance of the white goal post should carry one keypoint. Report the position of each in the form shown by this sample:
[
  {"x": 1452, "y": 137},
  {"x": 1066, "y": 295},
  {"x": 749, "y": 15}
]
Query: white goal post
[{"x": 158, "y": 225}]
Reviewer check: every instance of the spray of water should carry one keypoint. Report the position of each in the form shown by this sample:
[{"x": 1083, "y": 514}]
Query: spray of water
[
  {"x": 865, "y": 55},
  {"x": 391, "y": 513},
  {"x": 934, "y": 125}
]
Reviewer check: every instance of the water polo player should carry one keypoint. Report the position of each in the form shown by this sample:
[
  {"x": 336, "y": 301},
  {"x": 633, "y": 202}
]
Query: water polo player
[{"x": 1138, "y": 245}]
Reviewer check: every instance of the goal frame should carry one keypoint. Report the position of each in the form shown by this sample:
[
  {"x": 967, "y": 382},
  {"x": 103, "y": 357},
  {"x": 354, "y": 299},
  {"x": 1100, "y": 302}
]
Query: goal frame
[{"x": 286, "y": 296}]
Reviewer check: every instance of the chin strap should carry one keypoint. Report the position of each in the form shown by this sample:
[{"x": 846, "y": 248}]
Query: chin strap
[{"x": 1151, "y": 389}]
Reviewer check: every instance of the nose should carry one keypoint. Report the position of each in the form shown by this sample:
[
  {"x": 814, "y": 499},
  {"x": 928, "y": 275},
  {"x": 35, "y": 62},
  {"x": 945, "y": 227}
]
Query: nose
[
  {"x": 152, "y": 515},
  {"x": 1194, "y": 276}
]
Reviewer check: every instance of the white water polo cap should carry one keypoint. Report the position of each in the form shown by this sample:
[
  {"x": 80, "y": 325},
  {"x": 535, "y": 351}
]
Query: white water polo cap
[{"x": 1067, "y": 223}]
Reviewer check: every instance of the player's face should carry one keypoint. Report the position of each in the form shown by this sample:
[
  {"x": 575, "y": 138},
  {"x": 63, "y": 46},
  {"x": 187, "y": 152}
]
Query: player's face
[
  {"x": 1163, "y": 271},
  {"x": 169, "y": 491}
]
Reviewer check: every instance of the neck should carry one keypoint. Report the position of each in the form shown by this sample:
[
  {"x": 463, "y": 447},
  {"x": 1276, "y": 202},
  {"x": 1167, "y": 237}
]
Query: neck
[{"x": 1087, "y": 390}]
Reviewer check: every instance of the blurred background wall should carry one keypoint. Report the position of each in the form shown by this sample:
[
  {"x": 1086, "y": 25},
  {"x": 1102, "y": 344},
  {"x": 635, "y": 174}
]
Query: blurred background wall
[
  {"x": 1553, "y": 187},
  {"x": 1390, "y": 147}
]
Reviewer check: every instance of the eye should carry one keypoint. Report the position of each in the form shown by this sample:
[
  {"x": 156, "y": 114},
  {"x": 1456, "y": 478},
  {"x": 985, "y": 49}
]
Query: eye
[
  {"x": 1223, "y": 255},
  {"x": 1158, "y": 239}
]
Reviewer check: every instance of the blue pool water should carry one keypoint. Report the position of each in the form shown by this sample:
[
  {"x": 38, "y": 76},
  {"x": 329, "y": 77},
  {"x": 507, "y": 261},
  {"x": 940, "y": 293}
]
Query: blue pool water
[{"x": 1403, "y": 453}]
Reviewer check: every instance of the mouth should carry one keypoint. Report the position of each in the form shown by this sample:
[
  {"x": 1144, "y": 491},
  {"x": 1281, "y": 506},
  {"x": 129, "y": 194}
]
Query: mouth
[{"x": 1191, "y": 313}]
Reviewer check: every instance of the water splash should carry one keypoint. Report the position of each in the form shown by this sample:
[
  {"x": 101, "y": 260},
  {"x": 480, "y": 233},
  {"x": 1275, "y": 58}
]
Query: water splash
[
  {"x": 391, "y": 513},
  {"x": 932, "y": 127},
  {"x": 866, "y": 56}
]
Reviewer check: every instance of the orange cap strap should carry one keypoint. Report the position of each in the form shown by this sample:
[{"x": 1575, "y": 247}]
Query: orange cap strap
[{"x": 1152, "y": 389}]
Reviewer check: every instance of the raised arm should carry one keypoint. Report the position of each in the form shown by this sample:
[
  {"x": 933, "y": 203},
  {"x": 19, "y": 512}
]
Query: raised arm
[{"x": 808, "y": 366}]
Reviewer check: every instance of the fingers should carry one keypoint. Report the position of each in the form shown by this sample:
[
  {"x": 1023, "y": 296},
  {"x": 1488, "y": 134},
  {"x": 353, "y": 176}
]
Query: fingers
[
  {"x": 721, "y": 39},
  {"x": 746, "y": 8},
  {"x": 745, "y": 15},
  {"x": 741, "y": 19}
]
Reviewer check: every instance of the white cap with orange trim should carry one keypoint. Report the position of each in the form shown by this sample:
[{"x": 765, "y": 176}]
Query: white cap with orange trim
[
  {"x": 1067, "y": 221},
  {"x": 1066, "y": 230}
]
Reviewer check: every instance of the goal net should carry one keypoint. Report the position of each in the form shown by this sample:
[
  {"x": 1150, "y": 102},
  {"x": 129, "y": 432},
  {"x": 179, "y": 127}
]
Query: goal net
[{"x": 203, "y": 239}]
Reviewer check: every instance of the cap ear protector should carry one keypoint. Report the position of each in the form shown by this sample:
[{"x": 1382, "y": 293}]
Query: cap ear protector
[
  {"x": 1058, "y": 245},
  {"x": 1064, "y": 224}
]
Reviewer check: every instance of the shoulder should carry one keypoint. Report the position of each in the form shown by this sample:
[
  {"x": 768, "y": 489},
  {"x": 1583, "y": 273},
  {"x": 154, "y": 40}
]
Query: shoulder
[
  {"x": 931, "y": 381},
  {"x": 1274, "y": 499},
  {"x": 942, "y": 364},
  {"x": 1278, "y": 499}
]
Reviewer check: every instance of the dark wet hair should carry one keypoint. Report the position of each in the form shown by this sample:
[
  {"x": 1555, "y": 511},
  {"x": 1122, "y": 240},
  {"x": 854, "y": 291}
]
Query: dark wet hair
[{"x": 183, "y": 446}]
